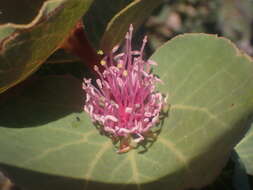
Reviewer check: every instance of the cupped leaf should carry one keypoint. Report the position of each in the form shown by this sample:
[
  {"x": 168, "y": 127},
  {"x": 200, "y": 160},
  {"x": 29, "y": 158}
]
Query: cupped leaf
[
  {"x": 245, "y": 151},
  {"x": 210, "y": 86},
  {"x": 24, "y": 47},
  {"x": 135, "y": 13},
  {"x": 54, "y": 146}
]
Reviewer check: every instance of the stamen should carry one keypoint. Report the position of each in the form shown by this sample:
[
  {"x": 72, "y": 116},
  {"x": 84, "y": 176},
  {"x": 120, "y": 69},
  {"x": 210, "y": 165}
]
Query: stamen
[
  {"x": 103, "y": 62},
  {"x": 120, "y": 65},
  {"x": 125, "y": 73},
  {"x": 124, "y": 102},
  {"x": 100, "y": 52}
]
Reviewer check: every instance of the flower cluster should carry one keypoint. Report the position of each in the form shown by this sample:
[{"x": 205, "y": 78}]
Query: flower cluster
[{"x": 124, "y": 101}]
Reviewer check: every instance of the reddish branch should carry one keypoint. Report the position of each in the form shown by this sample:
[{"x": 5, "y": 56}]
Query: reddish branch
[{"x": 78, "y": 44}]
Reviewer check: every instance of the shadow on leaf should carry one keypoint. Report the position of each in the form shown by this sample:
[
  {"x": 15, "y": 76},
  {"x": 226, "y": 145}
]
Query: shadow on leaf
[
  {"x": 30, "y": 180},
  {"x": 42, "y": 101},
  {"x": 19, "y": 12}
]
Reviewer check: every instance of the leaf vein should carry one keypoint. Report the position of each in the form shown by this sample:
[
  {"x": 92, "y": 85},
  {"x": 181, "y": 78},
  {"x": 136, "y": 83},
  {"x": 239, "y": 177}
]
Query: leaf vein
[{"x": 98, "y": 156}]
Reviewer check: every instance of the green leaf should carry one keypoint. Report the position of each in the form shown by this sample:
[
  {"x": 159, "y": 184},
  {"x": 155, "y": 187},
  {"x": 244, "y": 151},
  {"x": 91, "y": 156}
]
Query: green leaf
[
  {"x": 135, "y": 13},
  {"x": 95, "y": 24},
  {"x": 210, "y": 86},
  {"x": 47, "y": 143},
  {"x": 245, "y": 151},
  {"x": 24, "y": 47}
]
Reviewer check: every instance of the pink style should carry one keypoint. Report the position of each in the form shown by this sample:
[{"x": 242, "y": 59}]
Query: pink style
[{"x": 125, "y": 103}]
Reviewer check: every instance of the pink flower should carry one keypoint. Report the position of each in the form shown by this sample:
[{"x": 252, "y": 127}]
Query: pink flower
[{"x": 125, "y": 103}]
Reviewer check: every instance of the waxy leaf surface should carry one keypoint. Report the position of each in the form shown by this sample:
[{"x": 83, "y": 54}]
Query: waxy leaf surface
[
  {"x": 210, "y": 92},
  {"x": 47, "y": 142}
]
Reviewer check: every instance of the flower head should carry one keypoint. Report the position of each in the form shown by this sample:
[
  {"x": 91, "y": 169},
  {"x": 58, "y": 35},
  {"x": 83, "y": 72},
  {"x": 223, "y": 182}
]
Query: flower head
[{"x": 125, "y": 103}]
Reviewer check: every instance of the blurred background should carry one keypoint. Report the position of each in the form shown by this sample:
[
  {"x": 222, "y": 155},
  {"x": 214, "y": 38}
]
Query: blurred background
[{"x": 230, "y": 18}]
